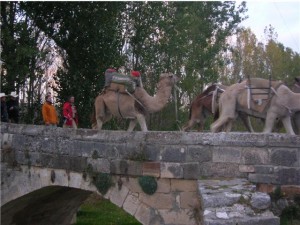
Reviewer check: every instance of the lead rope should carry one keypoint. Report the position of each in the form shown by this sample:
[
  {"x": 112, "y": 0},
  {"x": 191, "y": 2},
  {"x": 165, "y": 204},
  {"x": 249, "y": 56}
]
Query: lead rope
[{"x": 135, "y": 99}]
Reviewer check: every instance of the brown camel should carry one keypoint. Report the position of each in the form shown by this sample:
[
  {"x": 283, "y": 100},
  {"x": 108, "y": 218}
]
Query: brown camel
[
  {"x": 277, "y": 102},
  {"x": 201, "y": 107},
  {"x": 205, "y": 104},
  {"x": 134, "y": 107}
]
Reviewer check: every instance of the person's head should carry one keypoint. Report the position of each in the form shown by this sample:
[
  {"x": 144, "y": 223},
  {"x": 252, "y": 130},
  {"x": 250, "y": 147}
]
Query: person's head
[
  {"x": 3, "y": 97},
  {"x": 71, "y": 99},
  {"x": 48, "y": 98}
]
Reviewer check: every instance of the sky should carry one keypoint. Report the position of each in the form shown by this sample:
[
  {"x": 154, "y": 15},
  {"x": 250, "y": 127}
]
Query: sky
[{"x": 284, "y": 16}]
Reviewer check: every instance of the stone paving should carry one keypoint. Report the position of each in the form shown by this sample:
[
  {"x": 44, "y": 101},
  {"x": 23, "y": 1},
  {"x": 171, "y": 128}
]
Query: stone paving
[{"x": 235, "y": 202}]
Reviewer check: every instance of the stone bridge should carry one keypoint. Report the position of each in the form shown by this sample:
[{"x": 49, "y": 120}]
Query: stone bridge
[{"x": 46, "y": 172}]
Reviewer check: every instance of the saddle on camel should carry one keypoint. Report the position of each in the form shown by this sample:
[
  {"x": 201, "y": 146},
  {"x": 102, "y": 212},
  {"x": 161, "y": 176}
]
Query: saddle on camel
[{"x": 121, "y": 83}]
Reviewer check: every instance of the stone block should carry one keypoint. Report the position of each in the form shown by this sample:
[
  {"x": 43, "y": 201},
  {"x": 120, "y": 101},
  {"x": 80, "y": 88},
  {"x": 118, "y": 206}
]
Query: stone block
[
  {"x": 246, "y": 168},
  {"x": 171, "y": 170},
  {"x": 255, "y": 156},
  {"x": 151, "y": 169},
  {"x": 158, "y": 200},
  {"x": 126, "y": 167},
  {"x": 180, "y": 217},
  {"x": 77, "y": 164},
  {"x": 229, "y": 170},
  {"x": 163, "y": 185},
  {"x": 132, "y": 184},
  {"x": 99, "y": 165},
  {"x": 260, "y": 200},
  {"x": 152, "y": 152},
  {"x": 199, "y": 154},
  {"x": 283, "y": 140},
  {"x": 131, "y": 203},
  {"x": 187, "y": 199},
  {"x": 226, "y": 154},
  {"x": 190, "y": 171},
  {"x": 184, "y": 185},
  {"x": 266, "y": 188},
  {"x": 174, "y": 154},
  {"x": 288, "y": 176},
  {"x": 284, "y": 157},
  {"x": 263, "y": 178},
  {"x": 265, "y": 169},
  {"x": 290, "y": 190},
  {"x": 144, "y": 214},
  {"x": 118, "y": 196}
]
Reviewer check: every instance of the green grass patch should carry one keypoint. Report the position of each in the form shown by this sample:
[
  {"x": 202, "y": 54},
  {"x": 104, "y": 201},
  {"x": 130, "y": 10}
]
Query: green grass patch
[{"x": 99, "y": 211}]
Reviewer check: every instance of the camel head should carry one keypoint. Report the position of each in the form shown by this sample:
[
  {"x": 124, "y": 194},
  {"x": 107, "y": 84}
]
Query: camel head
[
  {"x": 168, "y": 78},
  {"x": 296, "y": 86}
]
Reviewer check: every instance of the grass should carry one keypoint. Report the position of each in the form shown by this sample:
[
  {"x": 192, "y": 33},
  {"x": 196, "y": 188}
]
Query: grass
[{"x": 99, "y": 211}]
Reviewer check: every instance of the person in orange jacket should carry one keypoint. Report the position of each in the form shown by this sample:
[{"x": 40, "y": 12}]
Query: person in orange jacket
[
  {"x": 49, "y": 112},
  {"x": 70, "y": 114}
]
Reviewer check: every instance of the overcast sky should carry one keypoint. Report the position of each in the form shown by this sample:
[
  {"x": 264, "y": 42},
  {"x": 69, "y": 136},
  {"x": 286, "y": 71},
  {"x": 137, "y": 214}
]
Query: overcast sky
[{"x": 284, "y": 16}]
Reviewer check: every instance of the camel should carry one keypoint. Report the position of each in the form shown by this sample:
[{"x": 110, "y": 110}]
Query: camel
[
  {"x": 296, "y": 117},
  {"x": 201, "y": 107},
  {"x": 205, "y": 104},
  {"x": 277, "y": 102},
  {"x": 135, "y": 106}
]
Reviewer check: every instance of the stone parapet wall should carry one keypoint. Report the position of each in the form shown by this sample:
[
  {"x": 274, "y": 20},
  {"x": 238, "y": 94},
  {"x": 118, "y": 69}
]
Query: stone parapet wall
[{"x": 261, "y": 158}]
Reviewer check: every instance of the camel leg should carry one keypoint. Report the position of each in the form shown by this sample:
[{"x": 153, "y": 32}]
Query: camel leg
[
  {"x": 296, "y": 122},
  {"x": 270, "y": 120},
  {"x": 188, "y": 125},
  {"x": 132, "y": 125},
  {"x": 219, "y": 124},
  {"x": 142, "y": 122},
  {"x": 101, "y": 116},
  {"x": 288, "y": 125}
]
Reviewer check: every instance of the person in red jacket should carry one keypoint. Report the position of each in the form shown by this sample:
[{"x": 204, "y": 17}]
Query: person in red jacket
[{"x": 70, "y": 114}]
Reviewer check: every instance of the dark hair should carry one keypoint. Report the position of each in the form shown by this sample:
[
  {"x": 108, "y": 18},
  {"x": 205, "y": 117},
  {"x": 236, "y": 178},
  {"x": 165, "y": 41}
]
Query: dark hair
[{"x": 69, "y": 97}]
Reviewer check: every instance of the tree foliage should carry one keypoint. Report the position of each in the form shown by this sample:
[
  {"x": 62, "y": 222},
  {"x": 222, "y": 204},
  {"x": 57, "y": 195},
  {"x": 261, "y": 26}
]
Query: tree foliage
[{"x": 185, "y": 38}]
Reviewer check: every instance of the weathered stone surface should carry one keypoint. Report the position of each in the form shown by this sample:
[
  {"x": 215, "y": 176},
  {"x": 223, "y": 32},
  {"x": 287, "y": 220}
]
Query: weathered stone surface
[
  {"x": 199, "y": 153},
  {"x": 131, "y": 203},
  {"x": 284, "y": 157},
  {"x": 185, "y": 199},
  {"x": 179, "y": 218},
  {"x": 151, "y": 169},
  {"x": 174, "y": 154},
  {"x": 118, "y": 196},
  {"x": 38, "y": 156},
  {"x": 190, "y": 171},
  {"x": 227, "y": 155},
  {"x": 255, "y": 156},
  {"x": 158, "y": 200},
  {"x": 260, "y": 200},
  {"x": 288, "y": 175},
  {"x": 171, "y": 170},
  {"x": 143, "y": 214},
  {"x": 163, "y": 185},
  {"x": 184, "y": 185},
  {"x": 246, "y": 169},
  {"x": 126, "y": 167}
]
